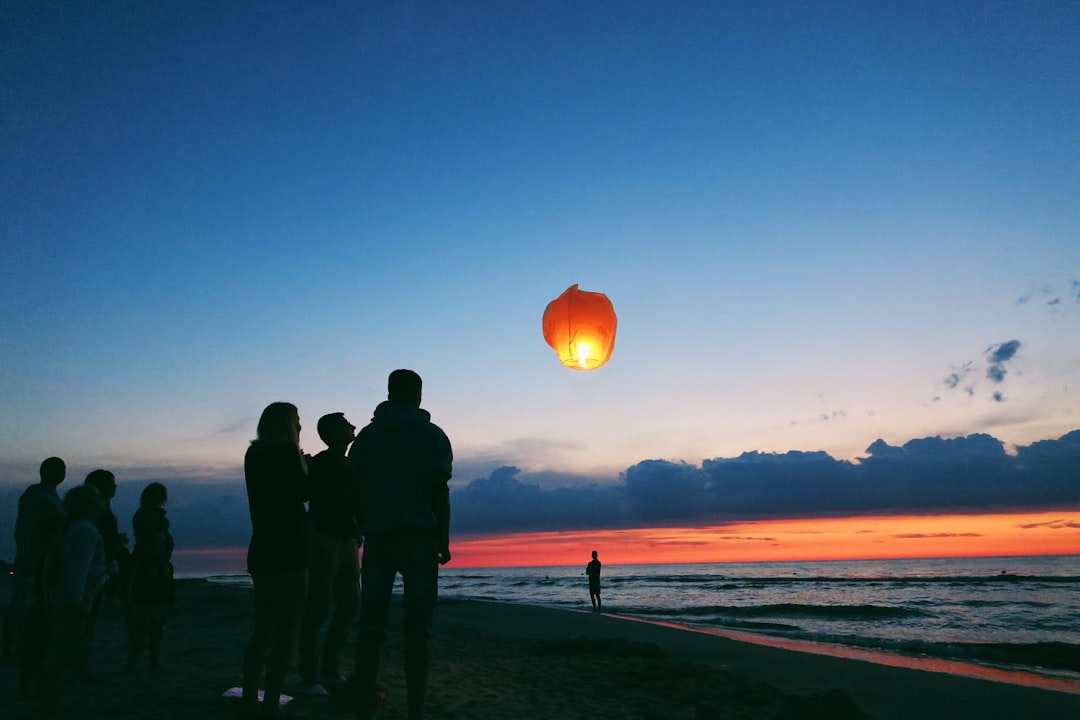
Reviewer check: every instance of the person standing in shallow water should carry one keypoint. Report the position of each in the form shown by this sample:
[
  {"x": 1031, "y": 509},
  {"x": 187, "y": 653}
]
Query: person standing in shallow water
[
  {"x": 275, "y": 472},
  {"x": 593, "y": 571}
]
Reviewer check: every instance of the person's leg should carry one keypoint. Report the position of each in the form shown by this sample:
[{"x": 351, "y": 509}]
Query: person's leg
[
  {"x": 289, "y": 608},
  {"x": 318, "y": 600},
  {"x": 346, "y": 589},
  {"x": 156, "y": 628},
  {"x": 64, "y": 647},
  {"x": 136, "y": 627},
  {"x": 16, "y": 609},
  {"x": 87, "y": 640},
  {"x": 420, "y": 573},
  {"x": 265, "y": 597},
  {"x": 377, "y": 585}
]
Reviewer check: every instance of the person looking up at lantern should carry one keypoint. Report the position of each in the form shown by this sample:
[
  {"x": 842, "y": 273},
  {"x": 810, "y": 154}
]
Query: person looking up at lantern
[
  {"x": 275, "y": 473},
  {"x": 335, "y": 569},
  {"x": 401, "y": 462}
]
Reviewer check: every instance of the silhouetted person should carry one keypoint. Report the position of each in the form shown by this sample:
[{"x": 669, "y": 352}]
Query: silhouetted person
[
  {"x": 402, "y": 463},
  {"x": 152, "y": 595},
  {"x": 109, "y": 527},
  {"x": 74, "y": 573},
  {"x": 275, "y": 473},
  {"x": 335, "y": 568},
  {"x": 593, "y": 571},
  {"x": 39, "y": 521}
]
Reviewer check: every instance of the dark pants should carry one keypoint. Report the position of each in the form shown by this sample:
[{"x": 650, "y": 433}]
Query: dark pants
[
  {"x": 16, "y": 610},
  {"x": 414, "y": 557},
  {"x": 279, "y": 603},
  {"x": 335, "y": 572}
]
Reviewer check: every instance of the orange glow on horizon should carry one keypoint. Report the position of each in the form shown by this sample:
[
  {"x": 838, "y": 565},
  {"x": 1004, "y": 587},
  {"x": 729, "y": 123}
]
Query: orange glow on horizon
[{"x": 853, "y": 538}]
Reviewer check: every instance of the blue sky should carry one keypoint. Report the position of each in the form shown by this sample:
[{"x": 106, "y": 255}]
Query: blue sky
[{"x": 819, "y": 225}]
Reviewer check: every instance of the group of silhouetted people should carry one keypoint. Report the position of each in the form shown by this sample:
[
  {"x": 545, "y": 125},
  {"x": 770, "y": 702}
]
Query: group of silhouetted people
[
  {"x": 70, "y": 557},
  {"x": 389, "y": 492}
]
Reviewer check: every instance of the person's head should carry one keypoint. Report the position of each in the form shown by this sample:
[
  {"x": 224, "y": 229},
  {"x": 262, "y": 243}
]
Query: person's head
[
  {"x": 52, "y": 471},
  {"x": 404, "y": 386},
  {"x": 104, "y": 481},
  {"x": 279, "y": 421},
  {"x": 83, "y": 502},
  {"x": 154, "y": 495},
  {"x": 335, "y": 430},
  {"x": 593, "y": 554}
]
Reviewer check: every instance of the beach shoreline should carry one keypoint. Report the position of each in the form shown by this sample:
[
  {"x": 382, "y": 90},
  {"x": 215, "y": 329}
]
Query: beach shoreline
[{"x": 496, "y": 660}]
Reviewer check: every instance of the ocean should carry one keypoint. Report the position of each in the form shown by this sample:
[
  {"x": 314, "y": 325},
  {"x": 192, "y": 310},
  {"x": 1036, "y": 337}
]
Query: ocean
[{"x": 1010, "y": 614}]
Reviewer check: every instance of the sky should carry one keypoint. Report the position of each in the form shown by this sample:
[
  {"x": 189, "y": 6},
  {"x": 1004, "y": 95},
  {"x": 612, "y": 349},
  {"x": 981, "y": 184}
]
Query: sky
[{"x": 825, "y": 229}]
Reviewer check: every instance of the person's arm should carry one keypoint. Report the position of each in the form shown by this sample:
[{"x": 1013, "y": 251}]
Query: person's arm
[{"x": 440, "y": 499}]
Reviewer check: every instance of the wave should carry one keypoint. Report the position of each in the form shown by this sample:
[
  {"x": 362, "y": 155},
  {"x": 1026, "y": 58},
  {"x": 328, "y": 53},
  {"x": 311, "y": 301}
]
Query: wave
[
  {"x": 789, "y": 610},
  {"x": 825, "y": 579},
  {"x": 1040, "y": 655}
]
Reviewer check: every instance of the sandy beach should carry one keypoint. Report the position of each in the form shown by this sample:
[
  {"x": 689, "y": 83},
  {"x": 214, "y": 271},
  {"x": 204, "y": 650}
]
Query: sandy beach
[{"x": 496, "y": 660}]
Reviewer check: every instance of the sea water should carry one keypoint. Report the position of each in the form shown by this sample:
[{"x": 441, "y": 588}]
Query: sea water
[{"x": 1014, "y": 613}]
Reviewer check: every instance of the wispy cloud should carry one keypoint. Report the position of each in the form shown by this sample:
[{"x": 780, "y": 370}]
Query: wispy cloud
[{"x": 921, "y": 536}]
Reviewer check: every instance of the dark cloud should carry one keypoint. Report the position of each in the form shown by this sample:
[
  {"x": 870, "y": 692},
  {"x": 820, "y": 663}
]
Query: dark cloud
[
  {"x": 1053, "y": 525},
  {"x": 972, "y": 473},
  {"x": 1003, "y": 352},
  {"x": 962, "y": 474},
  {"x": 998, "y": 355},
  {"x": 921, "y": 536}
]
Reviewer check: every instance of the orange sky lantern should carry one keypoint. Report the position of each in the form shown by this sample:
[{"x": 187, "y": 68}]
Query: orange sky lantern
[{"x": 580, "y": 327}]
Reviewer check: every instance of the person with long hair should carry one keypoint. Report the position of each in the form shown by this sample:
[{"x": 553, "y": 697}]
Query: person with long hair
[
  {"x": 152, "y": 589},
  {"x": 275, "y": 472}
]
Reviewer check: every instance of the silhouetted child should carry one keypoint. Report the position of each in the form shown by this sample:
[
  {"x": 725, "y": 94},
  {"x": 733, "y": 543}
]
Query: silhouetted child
[
  {"x": 593, "y": 571},
  {"x": 152, "y": 589},
  {"x": 74, "y": 573}
]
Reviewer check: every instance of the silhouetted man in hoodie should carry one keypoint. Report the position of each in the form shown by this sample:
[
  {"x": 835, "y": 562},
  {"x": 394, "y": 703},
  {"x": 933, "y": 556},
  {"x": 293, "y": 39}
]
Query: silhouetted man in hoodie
[{"x": 401, "y": 463}]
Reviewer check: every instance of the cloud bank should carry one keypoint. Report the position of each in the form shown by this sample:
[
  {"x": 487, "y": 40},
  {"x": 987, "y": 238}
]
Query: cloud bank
[{"x": 964, "y": 474}]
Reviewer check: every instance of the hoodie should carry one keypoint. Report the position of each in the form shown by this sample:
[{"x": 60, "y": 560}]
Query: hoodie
[{"x": 402, "y": 463}]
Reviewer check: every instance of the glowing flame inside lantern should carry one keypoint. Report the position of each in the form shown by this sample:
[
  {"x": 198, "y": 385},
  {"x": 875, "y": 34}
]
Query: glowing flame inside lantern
[
  {"x": 580, "y": 326},
  {"x": 583, "y": 354}
]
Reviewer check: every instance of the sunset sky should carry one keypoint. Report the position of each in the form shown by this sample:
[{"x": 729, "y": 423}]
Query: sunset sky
[{"x": 825, "y": 230}]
